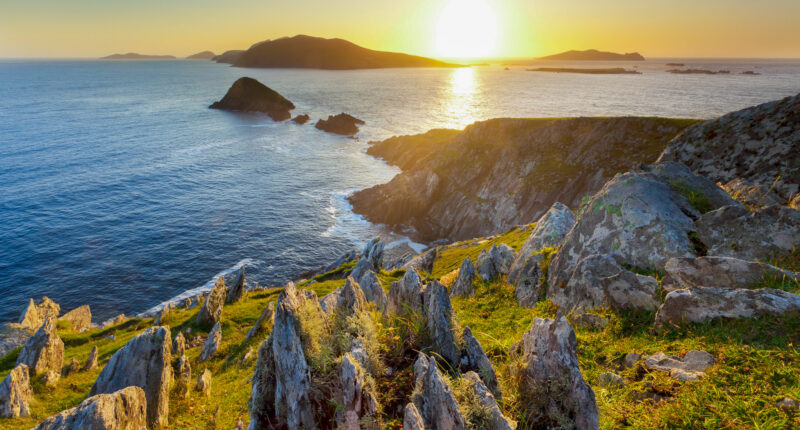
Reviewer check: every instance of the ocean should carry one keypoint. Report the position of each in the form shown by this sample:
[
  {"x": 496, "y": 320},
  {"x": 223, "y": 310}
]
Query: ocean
[{"x": 120, "y": 189}]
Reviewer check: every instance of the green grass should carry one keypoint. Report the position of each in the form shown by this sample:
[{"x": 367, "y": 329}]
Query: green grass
[
  {"x": 451, "y": 257},
  {"x": 696, "y": 198}
]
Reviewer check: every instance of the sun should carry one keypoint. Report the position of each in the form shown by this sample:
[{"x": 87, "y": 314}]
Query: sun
[{"x": 466, "y": 29}]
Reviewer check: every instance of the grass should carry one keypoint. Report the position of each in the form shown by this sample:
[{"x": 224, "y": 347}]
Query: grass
[{"x": 451, "y": 256}]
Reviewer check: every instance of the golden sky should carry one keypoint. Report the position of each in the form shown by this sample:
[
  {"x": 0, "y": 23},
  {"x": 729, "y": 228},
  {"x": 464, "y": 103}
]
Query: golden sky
[{"x": 437, "y": 28}]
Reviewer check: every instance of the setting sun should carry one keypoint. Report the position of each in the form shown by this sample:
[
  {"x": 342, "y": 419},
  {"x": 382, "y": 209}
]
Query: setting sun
[{"x": 466, "y": 29}]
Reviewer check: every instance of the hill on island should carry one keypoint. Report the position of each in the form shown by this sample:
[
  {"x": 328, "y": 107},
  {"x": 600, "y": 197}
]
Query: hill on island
[
  {"x": 593, "y": 55},
  {"x": 205, "y": 55},
  {"x": 135, "y": 56},
  {"x": 318, "y": 53},
  {"x": 228, "y": 57}
]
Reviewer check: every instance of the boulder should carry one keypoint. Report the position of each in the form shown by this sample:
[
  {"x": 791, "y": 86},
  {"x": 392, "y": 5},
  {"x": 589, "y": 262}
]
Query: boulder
[
  {"x": 502, "y": 257},
  {"x": 73, "y": 367},
  {"x": 630, "y": 359},
  {"x": 373, "y": 253},
  {"x": 143, "y": 362},
  {"x": 211, "y": 312},
  {"x": 720, "y": 272},
  {"x": 212, "y": 343},
  {"x": 179, "y": 345},
  {"x": 203, "y": 384},
  {"x": 80, "y": 318},
  {"x": 405, "y": 295},
  {"x": 423, "y": 262},
  {"x": 610, "y": 379},
  {"x": 119, "y": 319},
  {"x": 750, "y": 194},
  {"x": 91, "y": 361},
  {"x": 373, "y": 290},
  {"x": 697, "y": 305},
  {"x": 358, "y": 396},
  {"x": 51, "y": 378},
  {"x": 488, "y": 402},
  {"x": 441, "y": 324},
  {"x": 362, "y": 267},
  {"x": 44, "y": 351},
  {"x": 342, "y": 123},
  {"x": 267, "y": 317},
  {"x": 734, "y": 231},
  {"x": 788, "y": 404},
  {"x": 486, "y": 268},
  {"x": 12, "y": 336},
  {"x": 689, "y": 368},
  {"x": 16, "y": 393},
  {"x": 630, "y": 291},
  {"x": 35, "y": 315},
  {"x": 474, "y": 359},
  {"x": 237, "y": 291},
  {"x": 301, "y": 119},
  {"x": 125, "y": 409},
  {"x": 412, "y": 420},
  {"x": 249, "y": 95},
  {"x": 184, "y": 376},
  {"x": 556, "y": 393},
  {"x": 463, "y": 285},
  {"x": 433, "y": 397}
]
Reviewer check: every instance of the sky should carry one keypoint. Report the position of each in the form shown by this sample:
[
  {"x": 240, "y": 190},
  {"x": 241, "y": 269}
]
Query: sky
[{"x": 448, "y": 29}]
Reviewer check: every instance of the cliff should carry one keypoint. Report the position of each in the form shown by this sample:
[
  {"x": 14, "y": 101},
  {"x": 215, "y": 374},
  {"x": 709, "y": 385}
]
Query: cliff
[
  {"x": 593, "y": 55},
  {"x": 249, "y": 95},
  {"x": 228, "y": 57},
  {"x": 205, "y": 55},
  {"x": 135, "y": 56},
  {"x": 317, "y": 53},
  {"x": 450, "y": 183}
]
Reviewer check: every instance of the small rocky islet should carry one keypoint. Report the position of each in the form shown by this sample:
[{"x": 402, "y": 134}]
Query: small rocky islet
[{"x": 671, "y": 288}]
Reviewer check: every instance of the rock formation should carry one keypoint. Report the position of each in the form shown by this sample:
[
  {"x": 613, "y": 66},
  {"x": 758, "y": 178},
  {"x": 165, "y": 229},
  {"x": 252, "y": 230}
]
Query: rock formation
[
  {"x": 434, "y": 399},
  {"x": 249, "y": 95},
  {"x": 73, "y": 367},
  {"x": 204, "y": 55},
  {"x": 486, "y": 268},
  {"x": 690, "y": 367},
  {"x": 125, "y": 409},
  {"x": 179, "y": 345},
  {"x": 203, "y": 384},
  {"x": 80, "y": 318},
  {"x": 405, "y": 295},
  {"x": 301, "y": 119},
  {"x": 212, "y": 343},
  {"x": 441, "y": 321},
  {"x": 488, "y": 402},
  {"x": 237, "y": 291},
  {"x": 358, "y": 397},
  {"x": 344, "y": 124},
  {"x": 463, "y": 285},
  {"x": 267, "y": 317},
  {"x": 412, "y": 420},
  {"x": 475, "y": 359},
  {"x": 228, "y": 57},
  {"x": 184, "y": 376},
  {"x": 91, "y": 361},
  {"x": 593, "y": 55},
  {"x": 16, "y": 393},
  {"x": 44, "y": 351},
  {"x": 35, "y": 315},
  {"x": 720, "y": 272},
  {"x": 211, "y": 312}
]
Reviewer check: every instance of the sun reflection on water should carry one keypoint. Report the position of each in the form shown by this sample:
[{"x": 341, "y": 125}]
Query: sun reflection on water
[{"x": 460, "y": 103}]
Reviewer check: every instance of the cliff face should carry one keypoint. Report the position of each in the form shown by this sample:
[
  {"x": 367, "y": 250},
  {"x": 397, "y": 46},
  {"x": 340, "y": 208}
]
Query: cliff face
[{"x": 504, "y": 172}]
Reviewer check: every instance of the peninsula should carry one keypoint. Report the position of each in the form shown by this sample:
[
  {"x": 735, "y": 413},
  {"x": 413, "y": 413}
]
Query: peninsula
[{"x": 135, "y": 56}]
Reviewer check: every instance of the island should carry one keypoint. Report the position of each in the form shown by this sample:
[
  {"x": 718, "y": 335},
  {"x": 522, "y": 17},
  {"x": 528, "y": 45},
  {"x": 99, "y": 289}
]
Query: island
[
  {"x": 135, "y": 56},
  {"x": 593, "y": 55},
  {"x": 205, "y": 55},
  {"x": 307, "y": 52},
  {"x": 344, "y": 124},
  {"x": 588, "y": 71},
  {"x": 698, "y": 72},
  {"x": 249, "y": 95},
  {"x": 228, "y": 57}
]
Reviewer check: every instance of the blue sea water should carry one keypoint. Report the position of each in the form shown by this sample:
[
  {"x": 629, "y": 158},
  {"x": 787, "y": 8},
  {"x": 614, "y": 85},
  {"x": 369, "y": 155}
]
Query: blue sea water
[{"x": 120, "y": 189}]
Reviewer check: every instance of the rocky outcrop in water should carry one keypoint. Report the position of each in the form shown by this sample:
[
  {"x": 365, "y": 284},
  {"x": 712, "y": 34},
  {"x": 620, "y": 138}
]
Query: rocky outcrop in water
[
  {"x": 249, "y": 95},
  {"x": 228, "y": 57},
  {"x": 125, "y": 409},
  {"x": 16, "y": 393},
  {"x": 344, "y": 124},
  {"x": 44, "y": 351},
  {"x": 211, "y": 312},
  {"x": 301, "y": 119},
  {"x": 80, "y": 318},
  {"x": 145, "y": 362}
]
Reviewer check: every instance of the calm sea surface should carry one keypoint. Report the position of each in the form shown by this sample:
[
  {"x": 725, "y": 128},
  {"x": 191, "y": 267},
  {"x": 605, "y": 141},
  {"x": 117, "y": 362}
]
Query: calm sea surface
[{"x": 120, "y": 189}]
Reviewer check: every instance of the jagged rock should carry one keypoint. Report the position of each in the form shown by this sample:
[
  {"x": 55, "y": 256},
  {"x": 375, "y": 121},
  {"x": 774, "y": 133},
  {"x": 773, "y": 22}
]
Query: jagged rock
[
  {"x": 179, "y": 345},
  {"x": 237, "y": 291},
  {"x": 610, "y": 379},
  {"x": 74, "y": 367},
  {"x": 12, "y": 336},
  {"x": 79, "y": 318},
  {"x": 750, "y": 235},
  {"x": 373, "y": 252},
  {"x": 35, "y": 315},
  {"x": 344, "y": 124},
  {"x": 440, "y": 318},
  {"x": 203, "y": 384},
  {"x": 162, "y": 314},
  {"x": 703, "y": 304},
  {"x": 412, "y": 420},
  {"x": 463, "y": 286},
  {"x": 249, "y": 95},
  {"x": 689, "y": 368},
  {"x": 423, "y": 262},
  {"x": 396, "y": 255},
  {"x": 630, "y": 291},
  {"x": 125, "y": 409},
  {"x": 486, "y": 268},
  {"x": 143, "y": 362},
  {"x": 590, "y": 321},
  {"x": 44, "y": 351},
  {"x": 488, "y": 402},
  {"x": 758, "y": 144},
  {"x": 373, "y": 290},
  {"x": 631, "y": 359},
  {"x": 301, "y": 119},
  {"x": 16, "y": 393},
  {"x": 434, "y": 398},
  {"x": 359, "y": 398},
  {"x": 262, "y": 394},
  {"x": 349, "y": 297},
  {"x": 362, "y": 267},
  {"x": 211, "y": 312},
  {"x": 562, "y": 397},
  {"x": 184, "y": 376},
  {"x": 720, "y": 272},
  {"x": 502, "y": 257},
  {"x": 750, "y": 194},
  {"x": 119, "y": 319},
  {"x": 475, "y": 359},
  {"x": 51, "y": 378},
  {"x": 267, "y": 317},
  {"x": 91, "y": 361},
  {"x": 329, "y": 301},
  {"x": 641, "y": 219},
  {"x": 405, "y": 295},
  {"x": 348, "y": 256},
  {"x": 212, "y": 343}
]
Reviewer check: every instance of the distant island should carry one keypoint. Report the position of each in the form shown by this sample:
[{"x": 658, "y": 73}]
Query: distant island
[
  {"x": 205, "y": 55},
  {"x": 698, "y": 72},
  {"x": 589, "y": 71},
  {"x": 593, "y": 55},
  {"x": 135, "y": 56},
  {"x": 307, "y": 52},
  {"x": 228, "y": 57}
]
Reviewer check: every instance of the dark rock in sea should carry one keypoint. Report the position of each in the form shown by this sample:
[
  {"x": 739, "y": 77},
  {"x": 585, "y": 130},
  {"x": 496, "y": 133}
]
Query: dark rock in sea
[
  {"x": 594, "y": 55},
  {"x": 301, "y": 119},
  {"x": 249, "y": 95},
  {"x": 228, "y": 57},
  {"x": 750, "y": 72},
  {"x": 698, "y": 72},
  {"x": 588, "y": 71},
  {"x": 205, "y": 55},
  {"x": 343, "y": 124},
  {"x": 675, "y": 65}
]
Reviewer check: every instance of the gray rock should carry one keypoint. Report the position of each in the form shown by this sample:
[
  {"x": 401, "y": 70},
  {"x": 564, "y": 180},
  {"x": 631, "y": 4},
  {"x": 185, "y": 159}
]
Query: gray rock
[
  {"x": 362, "y": 267},
  {"x": 631, "y": 359},
  {"x": 73, "y": 367},
  {"x": 434, "y": 398},
  {"x": 750, "y": 194},
  {"x": 412, "y": 420},
  {"x": 262, "y": 394},
  {"x": 689, "y": 368},
  {"x": 203, "y": 384},
  {"x": 488, "y": 402},
  {"x": 329, "y": 301},
  {"x": 237, "y": 291},
  {"x": 12, "y": 336},
  {"x": 373, "y": 252},
  {"x": 358, "y": 396},
  {"x": 16, "y": 393},
  {"x": 35, "y": 315},
  {"x": 162, "y": 314},
  {"x": 610, "y": 379},
  {"x": 211, "y": 312},
  {"x": 475, "y": 359},
  {"x": 351, "y": 297},
  {"x": 704, "y": 304},
  {"x": 212, "y": 343},
  {"x": 562, "y": 397},
  {"x": 750, "y": 235},
  {"x": 405, "y": 295},
  {"x": 630, "y": 291},
  {"x": 80, "y": 318},
  {"x": 91, "y": 361},
  {"x": 397, "y": 255},
  {"x": 423, "y": 262},
  {"x": 51, "y": 378},
  {"x": 44, "y": 351},
  {"x": 119, "y": 319},
  {"x": 463, "y": 285},
  {"x": 184, "y": 376},
  {"x": 486, "y": 267},
  {"x": 267, "y": 317},
  {"x": 125, "y": 409},
  {"x": 373, "y": 290},
  {"x": 143, "y": 362},
  {"x": 441, "y": 321},
  {"x": 502, "y": 257},
  {"x": 179, "y": 345},
  {"x": 720, "y": 272}
]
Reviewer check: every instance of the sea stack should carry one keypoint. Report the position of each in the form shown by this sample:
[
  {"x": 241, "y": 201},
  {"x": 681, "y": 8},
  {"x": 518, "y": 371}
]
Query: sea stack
[
  {"x": 249, "y": 95},
  {"x": 344, "y": 124}
]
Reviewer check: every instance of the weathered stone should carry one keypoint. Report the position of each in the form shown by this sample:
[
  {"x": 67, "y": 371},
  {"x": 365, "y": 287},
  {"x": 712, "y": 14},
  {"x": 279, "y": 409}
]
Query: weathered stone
[
  {"x": 373, "y": 252},
  {"x": 734, "y": 231},
  {"x": 203, "y": 384},
  {"x": 502, "y": 257},
  {"x": 412, "y": 420},
  {"x": 630, "y": 291},
  {"x": 610, "y": 379},
  {"x": 51, "y": 378},
  {"x": 358, "y": 397},
  {"x": 405, "y": 295},
  {"x": 463, "y": 286},
  {"x": 704, "y": 304},
  {"x": 434, "y": 398},
  {"x": 262, "y": 394},
  {"x": 562, "y": 397},
  {"x": 486, "y": 268},
  {"x": 373, "y": 290},
  {"x": 211, "y": 312},
  {"x": 35, "y": 315},
  {"x": 125, "y": 409},
  {"x": 266, "y": 318},
  {"x": 589, "y": 321},
  {"x": 475, "y": 359},
  {"x": 73, "y": 367},
  {"x": 689, "y": 368},
  {"x": 441, "y": 324},
  {"x": 631, "y": 359},
  {"x": 750, "y": 194},
  {"x": 488, "y": 402},
  {"x": 44, "y": 351},
  {"x": 351, "y": 297},
  {"x": 80, "y": 318},
  {"x": 143, "y": 362},
  {"x": 212, "y": 343},
  {"x": 184, "y": 376},
  {"x": 423, "y": 262},
  {"x": 16, "y": 393},
  {"x": 91, "y": 361},
  {"x": 329, "y": 301},
  {"x": 397, "y": 255},
  {"x": 179, "y": 345},
  {"x": 119, "y": 319},
  {"x": 237, "y": 291},
  {"x": 720, "y": 272},
  {"x": 362, "y": 267},
  {"x": 12, "y": 336},
  {"x": 162, "y": 314}
]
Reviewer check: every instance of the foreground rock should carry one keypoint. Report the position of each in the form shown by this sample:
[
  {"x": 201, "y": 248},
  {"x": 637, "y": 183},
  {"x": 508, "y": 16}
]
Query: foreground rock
[
  {"x": 750, "y": 194},
  {"x": 487, "y": 401},
  {"x": 44, "y": 351},
  {"x": 690, "y": 367},
  {"x": 412, "y": 420},
  {"x": 434, "y": 399},
  {"x": 344, "y": 124},
  {"x": 211, "y": 312},
  {"x": 358, "y": 397},
  {"x": 463, "y": 285},
  {"x": 249, "y": 95},
  {"x": 720, "y": 272},
  {"x": 125, "y": 409},
  {"x": 237, "y": 291},
  {"x": 405, "y": 295},
  {"x": 35, "y": 314},
  {"x": 203, "y": 384},
  {"x": 212, "y": 343},
  {"x": 143, "y": 362},
  {"x": 80, "y": 318},
  {"x": 423, "y": 262},
  {"x": 16, "y": 393}
]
